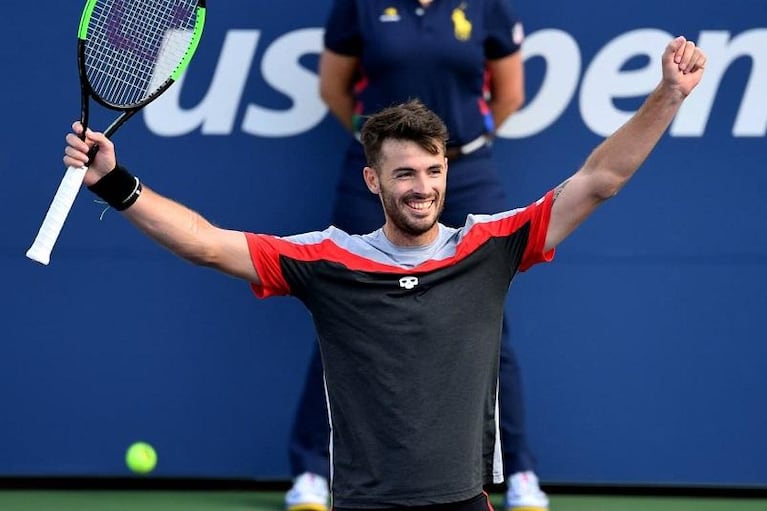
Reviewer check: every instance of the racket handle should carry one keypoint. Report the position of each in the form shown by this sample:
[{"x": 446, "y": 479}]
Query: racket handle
[{"x": 41, "y": 248}]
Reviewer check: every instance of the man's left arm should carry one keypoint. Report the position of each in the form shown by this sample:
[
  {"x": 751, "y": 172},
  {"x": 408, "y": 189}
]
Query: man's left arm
[{"x": 610, "y": 166}]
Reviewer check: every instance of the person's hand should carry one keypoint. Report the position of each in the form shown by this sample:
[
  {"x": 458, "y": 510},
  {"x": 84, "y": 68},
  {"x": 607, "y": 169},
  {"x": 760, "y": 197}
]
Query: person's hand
[
  {"x": 76, "y": 153},
  {"x": 683, "y": 64}
]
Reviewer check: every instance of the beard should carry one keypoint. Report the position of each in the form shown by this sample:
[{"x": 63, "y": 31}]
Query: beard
[{"x": 396, "y": 210}]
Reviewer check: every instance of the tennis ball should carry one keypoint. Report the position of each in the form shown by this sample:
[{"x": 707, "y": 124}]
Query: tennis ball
[{"x": 141, "y": 458}]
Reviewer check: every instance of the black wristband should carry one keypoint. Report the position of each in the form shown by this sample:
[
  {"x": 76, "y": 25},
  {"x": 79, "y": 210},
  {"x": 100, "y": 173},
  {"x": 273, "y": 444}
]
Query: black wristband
[{"x": 119, "y": 188}]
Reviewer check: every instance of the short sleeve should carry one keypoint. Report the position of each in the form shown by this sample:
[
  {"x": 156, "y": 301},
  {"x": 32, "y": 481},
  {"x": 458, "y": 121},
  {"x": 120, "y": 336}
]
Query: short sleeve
[
  {"x": 342, "y": 29},
  {"x": 539, "y": 215},
  {"x": 265, "y": 254},
  {"x": 505, "y": 33}
]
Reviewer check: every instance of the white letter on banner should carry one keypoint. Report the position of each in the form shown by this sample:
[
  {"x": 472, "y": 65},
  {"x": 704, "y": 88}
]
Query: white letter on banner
[
  {"x": 563, "y": 69},
  {"x": 282, "y": 70},
  {"x": 604, "y": 80},
  {"x": 721, "y": 51},
  {"x": 217, "y": 111}
]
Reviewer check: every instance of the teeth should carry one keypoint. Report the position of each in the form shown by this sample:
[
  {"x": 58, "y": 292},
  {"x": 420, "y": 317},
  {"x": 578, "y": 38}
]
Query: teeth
[{"x": 420, "y": 205}]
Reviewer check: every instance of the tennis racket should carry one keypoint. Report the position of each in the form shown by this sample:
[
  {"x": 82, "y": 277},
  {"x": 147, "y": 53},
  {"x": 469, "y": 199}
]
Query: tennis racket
[{"x": 128, "y": 53}]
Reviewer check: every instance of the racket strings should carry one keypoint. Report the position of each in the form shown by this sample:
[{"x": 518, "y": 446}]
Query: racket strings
[{"x": 134, "y": 46}]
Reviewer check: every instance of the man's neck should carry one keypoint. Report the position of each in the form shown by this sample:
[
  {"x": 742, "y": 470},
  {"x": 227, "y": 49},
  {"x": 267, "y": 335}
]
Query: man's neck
[{"x": 401, "y": 239}]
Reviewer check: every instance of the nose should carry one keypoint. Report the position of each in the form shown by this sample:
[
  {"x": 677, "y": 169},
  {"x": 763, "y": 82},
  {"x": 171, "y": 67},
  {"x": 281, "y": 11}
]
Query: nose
[{"x": 421, "y": 183}]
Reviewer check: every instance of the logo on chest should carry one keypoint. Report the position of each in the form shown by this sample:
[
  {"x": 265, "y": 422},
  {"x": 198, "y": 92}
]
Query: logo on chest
[
  {"x": 461, "y": 24},
  {"x": 389, "y": 15},
  {"x": 408, "y": 282}
]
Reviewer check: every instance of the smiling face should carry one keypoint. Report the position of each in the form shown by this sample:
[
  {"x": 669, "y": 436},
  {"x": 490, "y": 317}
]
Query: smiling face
[{"x": 411, "y": 182}]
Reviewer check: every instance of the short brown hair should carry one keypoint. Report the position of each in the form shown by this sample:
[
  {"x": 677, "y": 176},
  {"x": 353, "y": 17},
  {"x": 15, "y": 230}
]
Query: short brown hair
[{"x": 410, "y": 121}]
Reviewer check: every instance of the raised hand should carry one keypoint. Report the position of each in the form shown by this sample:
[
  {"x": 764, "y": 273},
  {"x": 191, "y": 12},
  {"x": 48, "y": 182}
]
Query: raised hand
[
  {"x": 683, "y": 65},
  {"x": 76, "y": 154}
]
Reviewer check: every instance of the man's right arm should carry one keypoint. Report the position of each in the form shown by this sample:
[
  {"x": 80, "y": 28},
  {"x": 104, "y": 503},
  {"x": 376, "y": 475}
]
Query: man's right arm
[
  {"x": 190, "y": 236},
  {"x": 174, "y": 226}
]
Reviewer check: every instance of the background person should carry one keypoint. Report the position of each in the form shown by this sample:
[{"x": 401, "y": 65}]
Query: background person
[{"x": 463, "y": 61}]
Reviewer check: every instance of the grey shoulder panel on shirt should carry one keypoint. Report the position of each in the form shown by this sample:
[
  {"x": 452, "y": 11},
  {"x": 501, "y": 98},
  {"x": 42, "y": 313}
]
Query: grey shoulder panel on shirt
[{"x": 376, "y": 247}]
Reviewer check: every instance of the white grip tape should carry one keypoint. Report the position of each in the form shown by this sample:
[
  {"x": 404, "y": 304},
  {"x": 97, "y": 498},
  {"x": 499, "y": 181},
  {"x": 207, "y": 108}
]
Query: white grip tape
[{"x": 41, "y": 248}]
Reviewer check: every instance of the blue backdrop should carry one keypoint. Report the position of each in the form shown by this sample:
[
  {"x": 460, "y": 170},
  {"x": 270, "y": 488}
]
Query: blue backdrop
[{"x": 642, "y": 345}]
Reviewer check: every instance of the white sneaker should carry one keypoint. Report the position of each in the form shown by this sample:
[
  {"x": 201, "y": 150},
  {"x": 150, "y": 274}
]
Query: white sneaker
[
  {"x": 309, "y": 493},
  {"x": 524, "y": 494}
]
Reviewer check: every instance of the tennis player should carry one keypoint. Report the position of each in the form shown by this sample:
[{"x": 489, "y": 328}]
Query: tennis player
[{"x": 409, "y": 316}]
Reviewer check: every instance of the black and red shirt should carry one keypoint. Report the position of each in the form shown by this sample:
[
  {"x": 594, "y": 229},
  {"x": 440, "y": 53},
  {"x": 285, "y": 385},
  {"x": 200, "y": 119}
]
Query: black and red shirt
[{"x": 410, "y": 341}]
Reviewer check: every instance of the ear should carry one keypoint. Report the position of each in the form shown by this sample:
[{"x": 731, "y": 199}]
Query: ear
[{"x": 371, "y": 180}]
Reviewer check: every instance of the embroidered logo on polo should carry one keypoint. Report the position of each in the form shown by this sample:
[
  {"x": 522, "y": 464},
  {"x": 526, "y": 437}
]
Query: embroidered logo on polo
[
  {"x": 408, "y": 282},
  {"x": 461, "y": 25},
  {"x": 518, "y": 33},
  {"x": 389, "y": 15}
]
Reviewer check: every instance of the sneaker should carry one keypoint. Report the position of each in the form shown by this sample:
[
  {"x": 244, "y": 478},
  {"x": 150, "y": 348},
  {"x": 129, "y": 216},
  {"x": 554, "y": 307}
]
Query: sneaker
[
  {"x": 524, "y": 494},
  {"x": 309, "y": 493}
]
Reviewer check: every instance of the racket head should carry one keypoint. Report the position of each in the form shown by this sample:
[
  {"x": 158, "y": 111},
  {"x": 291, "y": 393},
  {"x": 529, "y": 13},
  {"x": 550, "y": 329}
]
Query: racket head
[{"x": 131, "y": 51}]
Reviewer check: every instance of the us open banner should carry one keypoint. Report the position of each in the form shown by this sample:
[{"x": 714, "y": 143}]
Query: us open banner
[{"x": 641, "y": 346}]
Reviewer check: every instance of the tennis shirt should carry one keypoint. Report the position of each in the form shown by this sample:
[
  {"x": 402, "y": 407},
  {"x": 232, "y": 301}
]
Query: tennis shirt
[
  {"x": 410, "y": 340},
  {"x": 436, "y": 54}
]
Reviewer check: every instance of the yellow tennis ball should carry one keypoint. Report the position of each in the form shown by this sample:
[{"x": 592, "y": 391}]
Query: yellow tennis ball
[{"x": 141, "y": 458}]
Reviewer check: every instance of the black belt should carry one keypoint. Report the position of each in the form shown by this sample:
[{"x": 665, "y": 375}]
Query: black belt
[{"x": 455, "y": 152}]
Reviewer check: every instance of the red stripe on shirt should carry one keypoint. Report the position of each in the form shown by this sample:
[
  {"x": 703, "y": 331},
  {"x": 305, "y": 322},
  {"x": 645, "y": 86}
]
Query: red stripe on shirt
[{"x": 266, "y": 250}]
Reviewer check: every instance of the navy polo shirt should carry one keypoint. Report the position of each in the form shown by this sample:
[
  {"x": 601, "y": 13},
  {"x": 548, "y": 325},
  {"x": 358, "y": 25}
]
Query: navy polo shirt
[{"x": 436, "y": 54}]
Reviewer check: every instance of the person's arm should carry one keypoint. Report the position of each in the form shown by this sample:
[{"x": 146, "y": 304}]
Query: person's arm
[
  {"x": 615, "y": 160},
  {"x": 507, "y": 86},
  {"x": 176, "y": 227},
  {"x": 337, "y": 74}
]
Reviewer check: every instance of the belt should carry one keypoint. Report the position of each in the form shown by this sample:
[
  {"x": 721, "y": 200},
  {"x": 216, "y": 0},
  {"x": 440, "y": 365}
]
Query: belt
[{"x": 458, "y": 151}]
